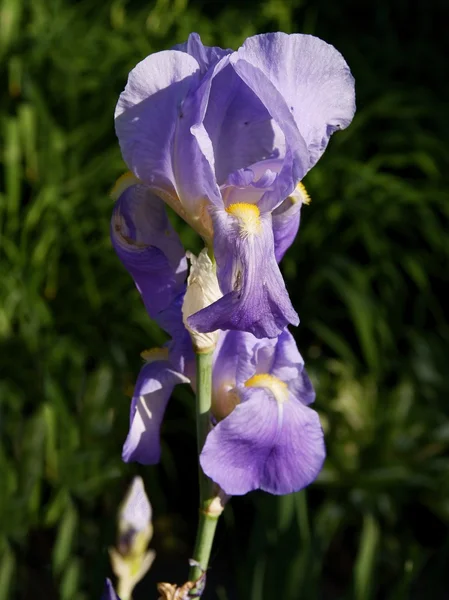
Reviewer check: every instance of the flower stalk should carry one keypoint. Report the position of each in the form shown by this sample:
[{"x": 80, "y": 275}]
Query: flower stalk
[{"x": 208, "y": 514}]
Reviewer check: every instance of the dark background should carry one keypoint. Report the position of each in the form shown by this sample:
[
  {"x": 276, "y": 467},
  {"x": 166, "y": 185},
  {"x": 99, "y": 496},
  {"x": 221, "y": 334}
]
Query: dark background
[{"x": 367, "y": 274}]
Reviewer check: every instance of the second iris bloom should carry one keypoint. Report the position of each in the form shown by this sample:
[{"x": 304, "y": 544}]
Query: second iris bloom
[{"x": 264, "y": 433}]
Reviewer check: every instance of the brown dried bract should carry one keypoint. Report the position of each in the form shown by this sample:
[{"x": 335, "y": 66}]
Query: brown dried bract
[{"x": 191, "y": 589}]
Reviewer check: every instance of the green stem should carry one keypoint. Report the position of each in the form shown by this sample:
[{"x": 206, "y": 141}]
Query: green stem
[
  {"x": 208, "y": 520},
  {"x": 203, "y": 404},
  {"x": 203, "y": 545}
]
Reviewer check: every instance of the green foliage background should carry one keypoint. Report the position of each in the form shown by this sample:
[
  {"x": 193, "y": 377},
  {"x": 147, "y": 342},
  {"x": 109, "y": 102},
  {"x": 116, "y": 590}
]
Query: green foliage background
[{"x": 366, "y": 273}]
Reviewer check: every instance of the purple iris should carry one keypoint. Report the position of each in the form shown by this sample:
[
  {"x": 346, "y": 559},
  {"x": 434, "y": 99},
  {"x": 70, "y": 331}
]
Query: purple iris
[
  {"x": 152, "y": 253},
  {"x": 109, "y": 592},
  {"x": 224, "y": 138},
  {"x": 267, "y": 436}
]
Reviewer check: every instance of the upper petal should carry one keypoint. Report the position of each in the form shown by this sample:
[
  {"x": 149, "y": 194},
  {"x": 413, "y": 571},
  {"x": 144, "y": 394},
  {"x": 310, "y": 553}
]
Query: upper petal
[
  {"x": 295, "y": 159},
  {"x": 255, "y": 298},
  {"x": 277, "y": 447},
  {"x": 152, "y": 391},
  {"x": 241, "y": 129},
  {"x": 148, "y": 111},
  {"x": 312, "y": 77},
  {"x": 153, "y": 119},
  {"x": 232, "y": 367},
  {"x": 288, "y": 366},
  {"x": 206, "y": 56}
]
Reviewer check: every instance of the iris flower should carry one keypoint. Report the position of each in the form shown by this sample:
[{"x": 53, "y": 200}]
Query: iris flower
[
  {"x": 264, "y": 435},
  {"x": 224, "y": 138}
]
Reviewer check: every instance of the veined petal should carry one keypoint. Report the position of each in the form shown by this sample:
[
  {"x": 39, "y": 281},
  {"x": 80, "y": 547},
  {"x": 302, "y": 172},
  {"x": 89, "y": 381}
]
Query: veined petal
[
  {"x": 148, "y": 247},
  {"x": 255, "y": 298},
  {"x": 275, "y": 446},
  {"x": 311, "y": 76},
  {"x": 153, "y": 389}
]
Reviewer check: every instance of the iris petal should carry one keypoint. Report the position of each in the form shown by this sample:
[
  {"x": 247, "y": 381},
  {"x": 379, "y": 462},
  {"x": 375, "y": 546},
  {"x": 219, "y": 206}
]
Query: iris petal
[
  {"x": 153, "y": 389},
  {"x": 206, "y": 56},
  {"x": 317, "y": 85},
  {"x": 255, "y": 298},
  {"x": 148, "y": 247},
  {"x": 286, "y": 218},
  {"x": 277, "y": 447},
  {"x": 147, "y": 113}
]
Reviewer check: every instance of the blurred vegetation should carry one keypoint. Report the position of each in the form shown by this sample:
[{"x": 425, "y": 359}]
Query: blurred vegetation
[{"x": 367, "y": 275}]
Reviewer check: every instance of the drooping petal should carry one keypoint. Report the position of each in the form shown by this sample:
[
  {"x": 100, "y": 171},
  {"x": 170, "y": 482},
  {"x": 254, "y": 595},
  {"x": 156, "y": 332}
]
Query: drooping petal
[
  {"x": 255, "y": 298},
  {"x": 311, "y": 76},
  {"x": 109, "y": 592},
  {"x": 275, "y": 446},
  {"x": 182, "y": 356},
  {"x": 206, "y": 56},
  {"x": 148, "y": 247},
  {"x": 152, "y": 391}
]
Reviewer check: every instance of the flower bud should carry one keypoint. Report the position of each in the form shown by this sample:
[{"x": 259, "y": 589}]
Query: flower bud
[
  {"x": 202, "y": 290},
  {"x": 131, "y": 560},
  {"x": 135, "y": 528}
]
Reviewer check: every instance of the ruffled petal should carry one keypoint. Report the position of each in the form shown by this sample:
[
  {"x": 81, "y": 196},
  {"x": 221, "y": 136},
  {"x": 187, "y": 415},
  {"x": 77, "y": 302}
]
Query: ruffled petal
[
  {"x": 255, "y": 298},
  {"x": 148, "y": 112},
  {"x": 152, "y": 391},
  {"x": 275, "y": 446},
  {"x": 155, "y": 118},
  {"x": 148, "y": 247},
  {"x": 313, "y": 79}
]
